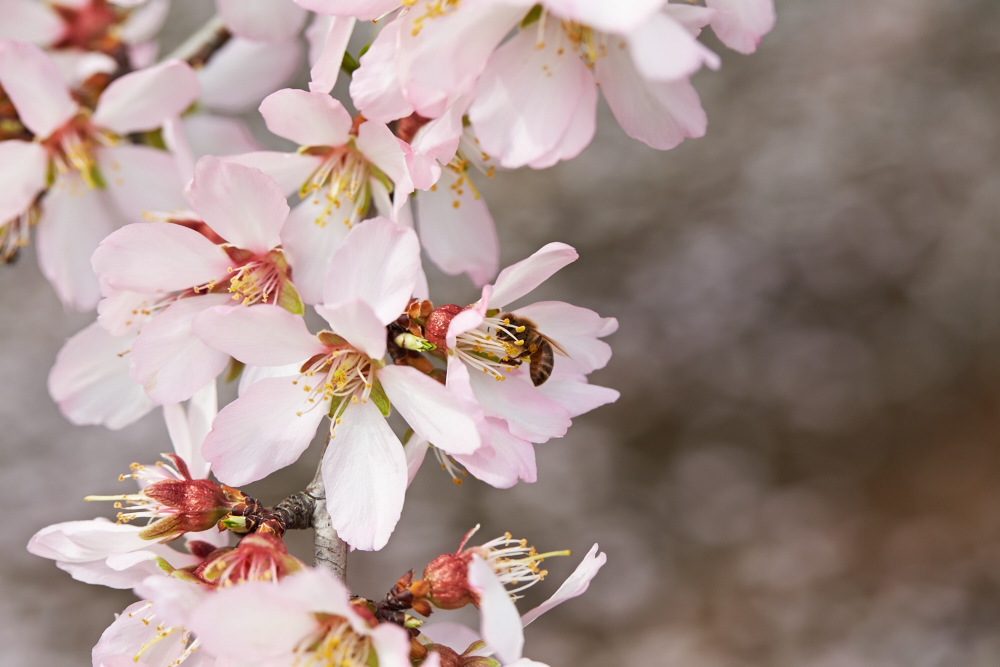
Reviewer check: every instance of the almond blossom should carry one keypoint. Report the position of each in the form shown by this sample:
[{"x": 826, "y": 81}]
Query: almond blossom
[
  {"x": 339, "y": 172},
  {"x": 172, "y": 274},
  {"x": 83, "y": 150},
  {"x": 340, "y": 373}
]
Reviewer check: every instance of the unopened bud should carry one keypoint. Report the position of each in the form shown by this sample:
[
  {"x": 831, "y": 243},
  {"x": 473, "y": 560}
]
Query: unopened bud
[
  {"x": 410, "y": 342},
  {"x": 436, "y": 327},
  {"x": 447, "y": 581}
]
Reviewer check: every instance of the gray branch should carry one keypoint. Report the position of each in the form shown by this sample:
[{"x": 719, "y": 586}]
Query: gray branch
[{"x": 199, "y": 47}]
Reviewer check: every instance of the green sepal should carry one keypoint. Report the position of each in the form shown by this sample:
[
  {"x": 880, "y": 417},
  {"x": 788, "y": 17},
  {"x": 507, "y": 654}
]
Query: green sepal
[
  {"x": 185, "y": 575},
  {"x": 331, "y": 339},
  {"x": 237, "y": 524},
  {"x": 408, "y": 341},
  {"x": 411, "y": 622},
  {"x": 95, "y": 177},
  {"x": 164, "y": 565},
  {"x": 335, "y": 404},
  {"x": 154, "y": 138},
  {"x": 382, "y": 178},
  {"x": 532, "y": 16},
  {"x": 164, "y": 530},
  {"x": 406, "y": 436},
  {"x": 234, "y": 369},
  {"x": 349, "y": 64},
  {"x": 492, "y": 312},
  {"x": 289, "y": 299},
  {"x": 380, "y": 399},
  {"x": 364, "y": 50}
]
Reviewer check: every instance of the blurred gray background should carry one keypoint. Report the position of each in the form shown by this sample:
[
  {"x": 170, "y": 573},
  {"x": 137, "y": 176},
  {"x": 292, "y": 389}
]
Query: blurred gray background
[{"x": 804, "y": 467}]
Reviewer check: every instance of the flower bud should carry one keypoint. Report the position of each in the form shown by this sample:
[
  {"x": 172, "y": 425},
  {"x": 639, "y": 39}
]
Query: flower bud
[
  {"x": 446, "y": 581},
  {"x": 258, "y": 557},
  {"x": 436, "y": 327}
]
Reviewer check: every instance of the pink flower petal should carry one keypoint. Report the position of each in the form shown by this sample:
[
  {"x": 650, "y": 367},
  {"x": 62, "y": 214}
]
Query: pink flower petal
[
  {"x": 386, "y": 151},
  {"x": 309, "y": 238},
  {"x": 579, "y": 132},
  {"x": 527, "y": 97},
  {"x": 456, "y": 637},
  {"x": 133, "y": 628},
  {"x": 168, "y": 360},
  {"x": 576, "y": 330},
  {"x": 82, "y": 541},
  {"x": 258, "y": 335},
  {"x": 143, "y": 100},
  {"x": 173, "y": 599},
  {"x": 262, "y": 431},
  {"x": 34, "y": 84},
  {"x": 216, "y": 135},
  {"x": 605, "y": 16},
  {"x": 141, "y": 180},
  {"x": 24, "y": 173},
  {"x": 289, "y": 170},
  {"x": 376, "y": 89},
  {"x": 392, "y": 645},
  {"x": 519, "y": 279},
  {"x": 431, "y": 410},
  {"x": 364, "y": 470},
  {"x": 664, "y": 50},
  {"x": 242, "y": 73},
  {"x": 529, "y": 414},
  {"x": 74, "y": 221},
  {"x": 741, "y": 24},
  {"x": 334, "y": 33},
  {"x": 357, "y": 323},
  {"x": 159, "y": 257},
  {"x": 456, "y": 229},
  {"x": 188, "y": 429},
  {"x": 415, "y": 449},
  {"x": 242, "y": 204},
  {"x": 364, "y": 10},
  {"x": 308, "y": 119},
  {"x": 262, "y": 20},
  {"x": 144, "y": 21},
  {"x": 90, "y": 380},
  {"x": 500, "y": 624},
  {"x": 504, "y": 461},
  {"x": 30, "y": 21},
  {"x": 378, "y": 262},
  {"x": 470, "y": 318},
  {"x": 574, "y": 586},
  {"x": 660, "y": 114},
  {"x": 576, "y": 395}
]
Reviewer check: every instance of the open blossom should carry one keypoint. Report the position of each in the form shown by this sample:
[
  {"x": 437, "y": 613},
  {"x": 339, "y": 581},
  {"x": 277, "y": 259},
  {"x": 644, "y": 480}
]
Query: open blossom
[
  {"x": 273, "y": 21},
  {"x": 224, "y": 252},
  {"x": 340, "y": 171},
  {"x": 525, "y": 367},
  {"x": 310, "y": 620},
  {"x": 119, "y": 555},
  {"x": 83, "y": 149},
  {"x": 340, "y": 373}
]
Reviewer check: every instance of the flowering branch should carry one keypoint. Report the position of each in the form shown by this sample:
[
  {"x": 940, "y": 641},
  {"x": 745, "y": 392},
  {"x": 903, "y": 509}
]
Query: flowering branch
[{"x": 199, "y": 47}]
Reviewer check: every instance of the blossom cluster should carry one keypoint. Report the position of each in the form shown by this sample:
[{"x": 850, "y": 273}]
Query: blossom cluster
[{"x": 152, "y": 203}]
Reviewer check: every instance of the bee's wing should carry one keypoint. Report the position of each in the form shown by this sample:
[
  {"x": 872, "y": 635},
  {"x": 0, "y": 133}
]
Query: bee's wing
[{"x": 556, "y": 346}]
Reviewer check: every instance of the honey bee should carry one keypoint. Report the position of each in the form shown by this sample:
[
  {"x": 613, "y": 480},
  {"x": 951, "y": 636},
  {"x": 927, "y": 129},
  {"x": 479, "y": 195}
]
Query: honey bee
[{"x": 539, "y": 347}]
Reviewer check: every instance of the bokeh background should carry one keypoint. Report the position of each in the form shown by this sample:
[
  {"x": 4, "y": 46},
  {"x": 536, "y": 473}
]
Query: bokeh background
[{"x": 804, "y": 466}]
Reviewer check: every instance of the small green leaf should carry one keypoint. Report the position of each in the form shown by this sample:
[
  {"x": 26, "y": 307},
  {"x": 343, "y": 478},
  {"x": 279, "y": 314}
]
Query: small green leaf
[
  {"x": 349, "y": 64},
  {"x": 380, "y": 399},
  {"x": 237, "y": 524},
  {"x": 164, "y": 565},
  {"x": 289, "y": 299},
  {"x": 234, "y": 369}
]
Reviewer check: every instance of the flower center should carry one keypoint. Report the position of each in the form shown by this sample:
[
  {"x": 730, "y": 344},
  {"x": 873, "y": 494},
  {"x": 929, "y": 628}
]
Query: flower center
[
  {"x": 345, "y": 174},
  {"x": 493, "y": 348},
  {"x": 338, "y": 646},
  {"x": 255, "y": 281},
  {"x": 149, "y": 619},
  {"x": 342, "y": 376},
  {"x": 515, "y": 563},
  {"x": 71, "y": 148}
]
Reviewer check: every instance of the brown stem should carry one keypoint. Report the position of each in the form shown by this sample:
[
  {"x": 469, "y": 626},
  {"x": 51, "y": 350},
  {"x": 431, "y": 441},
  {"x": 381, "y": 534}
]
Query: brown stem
[
  {"x": 199, "y": 47},
  {"x": 329, "y": 550}
]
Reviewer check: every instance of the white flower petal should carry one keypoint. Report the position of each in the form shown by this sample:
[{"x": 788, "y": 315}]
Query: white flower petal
[{"x": 500, "y": 624}]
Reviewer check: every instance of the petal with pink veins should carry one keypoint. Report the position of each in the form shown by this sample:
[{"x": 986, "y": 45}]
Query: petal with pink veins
[
  {"x": 579, "y": 132},
  {"x": 159, "y": 257},
  {"x": 133, "y": 628},
  {"x": 364, "y": 10},
  {"x": 574, "y": 586},
  {"x": 574, "y": 393},
  {"x": 82, "y": 541},
  {"x": 364, "y": 470},
  {"x": 521, "y": 278},
  {"x": 529, "y": 414},
  {"x": 24, "y": 173},
  {"x": 243, "y": 205},
  {"x": 32, "y": 81},
  {"x": 576, "y": 330},
  {"x": 333, "y": 34},
  {"x": 289, "y": 170},
  {"x": 308, "y": 119},
  {"x": 378, "y": 262},
  {"x": 143, "y": 100},
  {"x": 258, "y": 336},
  {"x": 141, "y": 180},
  {"x": 504, "y": 461},
  {"x": 357, "y": 323},
  {"x": 30, "y": 21},
  {"x": 660, "y": 114},
  {"x": 527, "y": 97},
  {"x": 262, "y": 20},
  {"x": 265, "y": 429},
  {"x": 242, "y": 73},
  {"x": 386, "y": 151},
  {"x": 456, "y": 228},
  {"x": 664, "y": 50},
  {"x": 309, "y": 238},
  {"x": 168, "y": 360},
  {"x": 741, "y": 24},
  {"x": 375, "y": 87},
  {"x": 74, "y": 220},
  {"x": 500, "y": 624},
  {"x": 90, "y": 380},
  {"x": 430, "y": 409}
]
